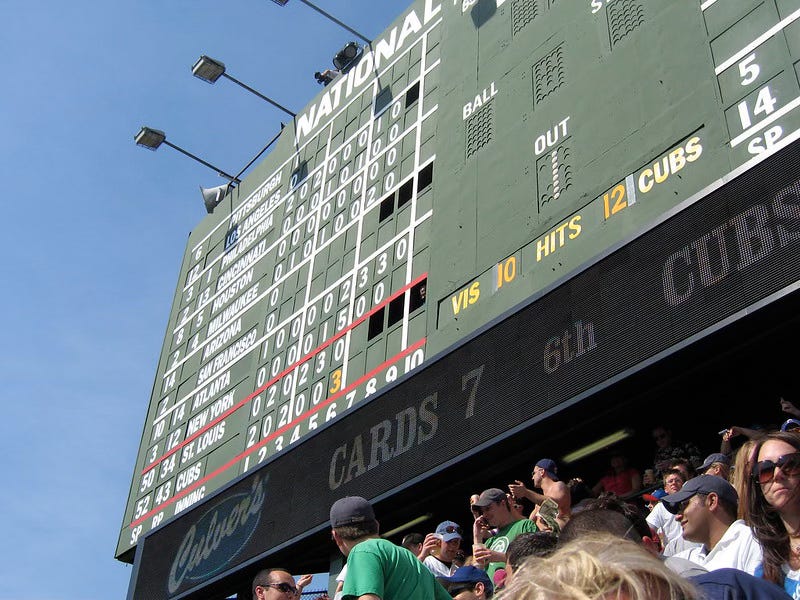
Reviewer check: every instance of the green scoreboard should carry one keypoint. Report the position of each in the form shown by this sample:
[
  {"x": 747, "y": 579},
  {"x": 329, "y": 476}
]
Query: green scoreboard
[{"x": 467, "y": 169}]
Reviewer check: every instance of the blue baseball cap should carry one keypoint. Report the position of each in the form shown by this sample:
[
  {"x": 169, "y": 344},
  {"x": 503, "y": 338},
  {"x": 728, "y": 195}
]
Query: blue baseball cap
[
  {"x": 449, "y": 531},
  {"x": 468, "y": 574},
  {"x": 549, "y": 466}
]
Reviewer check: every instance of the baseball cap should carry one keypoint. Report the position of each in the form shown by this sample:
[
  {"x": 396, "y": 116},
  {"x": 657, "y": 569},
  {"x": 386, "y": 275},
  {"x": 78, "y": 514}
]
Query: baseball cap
[
  {"x": 790, "y": 425},
  {"x": 449, "y": 531},
  {"x": 351, "y": 510},
  {"x": 703, "y": 484},
  {"x": 490, "y": 496},
  {"x": 717, "y": 457},
  {"x": 469, "y": 575},
  {"x": 549, "y": 466}
]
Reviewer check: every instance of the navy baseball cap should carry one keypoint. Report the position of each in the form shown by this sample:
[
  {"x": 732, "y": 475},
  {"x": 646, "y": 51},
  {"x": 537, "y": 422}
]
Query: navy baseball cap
[
  {"x": 470, "y": 575},
  {"x": 703, "y": 484},
  {"x": 549, "y": 466},
  {"x": 717, "y": 457},
  {"x": 351, "y": 510}
]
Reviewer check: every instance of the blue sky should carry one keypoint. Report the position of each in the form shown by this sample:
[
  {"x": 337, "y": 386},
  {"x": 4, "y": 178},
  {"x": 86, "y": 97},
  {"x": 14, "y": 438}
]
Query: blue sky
[{"x": 94, "y": 230}]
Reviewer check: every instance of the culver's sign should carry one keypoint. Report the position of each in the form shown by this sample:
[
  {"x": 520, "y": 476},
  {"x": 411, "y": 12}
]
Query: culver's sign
[{"x": 218, "y": 536}]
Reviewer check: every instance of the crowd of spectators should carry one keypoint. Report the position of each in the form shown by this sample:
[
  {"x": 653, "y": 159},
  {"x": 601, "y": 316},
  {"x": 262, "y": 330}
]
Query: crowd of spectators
[{"x": 723, "y": 526}]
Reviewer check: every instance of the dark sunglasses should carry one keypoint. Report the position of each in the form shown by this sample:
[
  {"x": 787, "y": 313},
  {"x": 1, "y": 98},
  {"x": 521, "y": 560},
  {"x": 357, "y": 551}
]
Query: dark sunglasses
[
  {"x": 282, "y": 587},
  {"x": 764, "y": 471},
  {"x": 452, "y": 529}
]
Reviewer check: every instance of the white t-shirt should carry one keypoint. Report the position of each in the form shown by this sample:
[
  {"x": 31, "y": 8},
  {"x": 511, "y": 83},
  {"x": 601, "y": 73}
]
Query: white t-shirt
[
  {"x": 664, "y": 522},
  {"x": 736, "y": 549},
  {"x": 437, "y": 567}
]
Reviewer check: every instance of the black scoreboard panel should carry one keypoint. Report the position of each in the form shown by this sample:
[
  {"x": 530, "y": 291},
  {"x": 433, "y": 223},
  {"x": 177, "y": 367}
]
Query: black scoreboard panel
[
  {"x": 479, "y": 153},
  {"x": 730, "y": 249}
]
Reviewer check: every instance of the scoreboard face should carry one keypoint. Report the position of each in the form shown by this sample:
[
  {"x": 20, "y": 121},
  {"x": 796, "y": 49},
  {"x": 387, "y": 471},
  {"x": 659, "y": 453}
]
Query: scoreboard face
[{"x": 480, "y": 153}]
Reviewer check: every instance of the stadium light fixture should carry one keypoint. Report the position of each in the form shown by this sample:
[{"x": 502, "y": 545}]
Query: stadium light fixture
[
  {"x": 327, "y": 16},
  {"x": 153, "y": 138},
  {"x": 597, "y": 446},
  {"x": 210, "y": 70},
  {"x": 404, "y": 526}
]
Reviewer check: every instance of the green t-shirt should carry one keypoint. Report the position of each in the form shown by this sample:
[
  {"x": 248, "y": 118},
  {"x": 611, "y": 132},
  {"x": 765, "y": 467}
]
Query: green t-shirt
[
  {"x": 504, "y": 537},
  {"x": 377, "y": 566}
]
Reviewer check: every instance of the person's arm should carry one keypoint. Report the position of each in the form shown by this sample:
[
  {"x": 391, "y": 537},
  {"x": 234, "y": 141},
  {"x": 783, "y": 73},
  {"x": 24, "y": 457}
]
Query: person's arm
[
  {"x": 303, "y": 581},
  {"x": 431, "y": 542},
  {"x": 518, "y": 490},
  {"x": 485, "y": 556},
  {"x": 789, "y": 408},
  {"x": 598, "y": 488},
  {"x": 636, "y": 480}
]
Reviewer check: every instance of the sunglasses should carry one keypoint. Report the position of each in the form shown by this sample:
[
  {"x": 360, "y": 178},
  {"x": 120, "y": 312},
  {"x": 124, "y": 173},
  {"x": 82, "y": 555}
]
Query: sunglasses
[
  {"x": 789, "y": 464},
  {"x": 452, "y": 529},
  {"x": 282, "y": 587}
]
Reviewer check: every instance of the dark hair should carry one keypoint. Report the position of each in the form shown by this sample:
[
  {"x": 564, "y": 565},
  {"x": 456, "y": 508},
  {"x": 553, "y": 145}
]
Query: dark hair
[
  {"x": 598, "y": 520},
  {"x": 768, "y": 528},
  {"x": 578, "y": 490},
  {"x": 677, "y": 472},
  {"x": 609, "y": 501},
  {"x": 675, "y": 462},
  {"x": 539, "y": 543},
  {"x": 412, "y": 539},
  {"x": 357, "y": 531},
  {"x": 263, "y": 577}
]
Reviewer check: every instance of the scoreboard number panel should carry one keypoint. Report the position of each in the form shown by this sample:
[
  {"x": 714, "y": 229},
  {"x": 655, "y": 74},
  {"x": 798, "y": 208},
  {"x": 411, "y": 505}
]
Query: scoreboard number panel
[{"x": 478, "y": 154}]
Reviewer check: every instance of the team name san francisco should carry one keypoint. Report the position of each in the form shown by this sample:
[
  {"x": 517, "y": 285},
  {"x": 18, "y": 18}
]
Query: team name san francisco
[
  {"x": 384, "y": 50},
  {"x": 240, "y": 347}
]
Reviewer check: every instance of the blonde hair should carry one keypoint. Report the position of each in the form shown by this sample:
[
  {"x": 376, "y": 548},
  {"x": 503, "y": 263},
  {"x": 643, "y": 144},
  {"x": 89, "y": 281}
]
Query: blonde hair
[
  {"x": 740, "y": 473},
  {"x": 598, "y": 567}
]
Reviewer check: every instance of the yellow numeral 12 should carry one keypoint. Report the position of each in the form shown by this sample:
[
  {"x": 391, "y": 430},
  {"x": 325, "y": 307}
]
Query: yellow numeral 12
[{"x": 617, "y": 194}]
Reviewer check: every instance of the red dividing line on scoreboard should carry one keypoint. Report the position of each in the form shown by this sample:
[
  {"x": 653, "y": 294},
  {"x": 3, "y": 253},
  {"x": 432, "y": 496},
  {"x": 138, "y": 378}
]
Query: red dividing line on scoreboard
[
  {"x": 285, "y": 372},
  {"x": 277, "y": 432}
]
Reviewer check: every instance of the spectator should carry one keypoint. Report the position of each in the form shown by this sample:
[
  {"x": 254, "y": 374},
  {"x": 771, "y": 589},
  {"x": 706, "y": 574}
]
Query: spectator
[
  {"x": 663, "y": 521},
  {"x": 276, "y": 584},
  {"x": 540, "y": 544},
  {"x": 774, "y": 507},
  {"x": 740, "y": 476},
  {"x": 545, "y": 477},
  {"x": 413, "y": 543},
  {"x": 376, "y": 568},
  {"x": 598, "y": 567},
  {"x": 468, "y": 583},
  {"x": 440, "y": 549},
  {"x": 579, "y": 493},
  {"x": 621, "y": 478},
  {"x": 716, "y": 464},
  {"x": 668, "y": 449},
  {"x": 496, "y": 512},
  {"x": 706, "y": 508}
]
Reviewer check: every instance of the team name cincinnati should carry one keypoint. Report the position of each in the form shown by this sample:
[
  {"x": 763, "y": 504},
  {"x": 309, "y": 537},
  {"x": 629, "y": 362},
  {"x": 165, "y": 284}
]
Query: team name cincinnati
[{"x": 383, "y": 51}]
